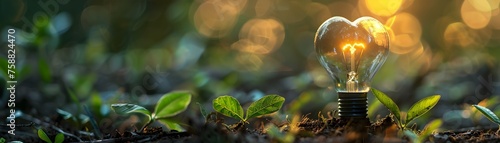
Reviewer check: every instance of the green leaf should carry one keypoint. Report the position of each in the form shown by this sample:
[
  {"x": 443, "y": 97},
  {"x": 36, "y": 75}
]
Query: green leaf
[
  {"x": 66, "y": 115},
  {"x": 124, "y": 109},
  {"x": 430, "y": 127},
  {"x": 488, "y": 113},
  {"x": 172, "y": 104},
  {"x": 203, "y": 111},
  {"x": 43, "y": 136},
  {"x": 265, "y": 105},
  {"x": 59, "y": 138},
  {"x": 171, "y": 124},
  {"x": 228, "y": 106},
  {"x": 83, "y": 118},
  {"x": 421, "y": 107},
  {"x": 387, "y": 101}
]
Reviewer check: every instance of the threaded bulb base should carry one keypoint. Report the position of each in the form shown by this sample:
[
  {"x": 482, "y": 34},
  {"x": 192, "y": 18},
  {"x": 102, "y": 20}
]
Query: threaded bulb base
[{"x": 353, "y": 105}]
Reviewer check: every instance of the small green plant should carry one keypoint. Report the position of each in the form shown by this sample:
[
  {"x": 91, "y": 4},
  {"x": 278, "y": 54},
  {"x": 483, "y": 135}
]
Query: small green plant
[
  {"x": 168, "y": 106},
  {"x": 42, "y": 135},
  {"x": 429, "y": 128},
  {"x": 230, "y": 107},
  {"x": 279, "y": 134},
  {"x": 489, "y": 114},
  {"x": 74, "y": 119},
  {"x": 415, "y": 111}
]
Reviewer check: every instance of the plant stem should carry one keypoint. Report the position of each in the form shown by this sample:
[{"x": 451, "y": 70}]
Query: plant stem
[
  {"x": 498, "y": 130},
  {"x": 144, "y": 127}
]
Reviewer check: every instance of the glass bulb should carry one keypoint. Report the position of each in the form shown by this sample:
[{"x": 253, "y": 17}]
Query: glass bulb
[{"x": 352, "y": 52}]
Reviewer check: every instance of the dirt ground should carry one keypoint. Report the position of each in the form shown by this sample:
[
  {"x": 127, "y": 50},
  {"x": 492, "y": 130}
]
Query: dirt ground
[{"x": 310, "y": 130}]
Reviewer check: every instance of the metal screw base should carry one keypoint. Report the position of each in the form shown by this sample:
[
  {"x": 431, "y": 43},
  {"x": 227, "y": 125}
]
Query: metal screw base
[{"x": 353, "y": 105}]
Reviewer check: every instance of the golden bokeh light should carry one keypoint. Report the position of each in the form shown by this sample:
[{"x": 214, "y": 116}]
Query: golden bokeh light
[
  {"x": 406, "y": 4},
  {"x": 495, "y": 4},
  {"x": 404, "y": 31},
  {"x": 495, "y": 19},
  {"x": 260, "y": 36},
  {"x": 383, "y": 7},
  {"x": 483, "y": 5},
  {"x": 420, "y": 58},
  {"x": 249, "y": 62},
  {"x": 419, "y": 50},
  {"x": 476, "y": 14},
  {"x": 458, "y": 34},
  {"x": 215, "y": 18},
  {"x": 463, "y": 36}
]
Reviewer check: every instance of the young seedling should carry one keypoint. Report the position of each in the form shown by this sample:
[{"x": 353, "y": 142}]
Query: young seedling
[
  {"x": 282, "y": 136},
  {"x": 77, "y": 120},
  {"x": 490, "y": 115},
  {"x": 415, "y": 111},
  {"x": 429, "y": 128},
  {"x": 230, "y": 107},
  {"x": 42, "y": 135},
  {"x": 168, "y": 106}
]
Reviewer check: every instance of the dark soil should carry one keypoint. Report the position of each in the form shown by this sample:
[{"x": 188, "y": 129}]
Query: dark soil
[
  {"x": 214, "y": 130},
  {"x": 479, "y": 135}
]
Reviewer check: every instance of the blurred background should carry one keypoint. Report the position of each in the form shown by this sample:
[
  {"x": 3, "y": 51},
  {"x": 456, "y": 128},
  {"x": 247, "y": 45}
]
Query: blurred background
[{"x": 135, "y": 51}]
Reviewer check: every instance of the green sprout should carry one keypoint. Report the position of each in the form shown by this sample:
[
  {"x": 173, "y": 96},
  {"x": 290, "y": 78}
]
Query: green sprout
[
  {"x": 489, "y": 114},
  {"x": 415, "y": 111},
  {"x": 168, "y": 106},
  {"x": 74, "y": 119},
  {"x": 230, "y": 107},
  {"x": 42, "y": 135},
  {"x": 428, "y": 129},
  {"x": 286, "y": 133}
]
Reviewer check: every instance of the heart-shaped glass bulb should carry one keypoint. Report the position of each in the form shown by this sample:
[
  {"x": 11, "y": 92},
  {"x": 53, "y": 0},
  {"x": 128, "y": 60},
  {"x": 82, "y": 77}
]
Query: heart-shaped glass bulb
[{"x": 352, "y": 52}]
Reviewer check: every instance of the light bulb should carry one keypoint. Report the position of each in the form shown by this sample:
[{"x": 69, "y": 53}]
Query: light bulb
[{"x": 351, "y": 53}]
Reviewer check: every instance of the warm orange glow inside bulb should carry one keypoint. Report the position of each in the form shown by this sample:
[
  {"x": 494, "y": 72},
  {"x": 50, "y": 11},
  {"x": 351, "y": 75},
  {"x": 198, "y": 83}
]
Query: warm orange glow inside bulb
[
  {"x": 352, "y": 82},
  {"x": 352, "y": 47}
]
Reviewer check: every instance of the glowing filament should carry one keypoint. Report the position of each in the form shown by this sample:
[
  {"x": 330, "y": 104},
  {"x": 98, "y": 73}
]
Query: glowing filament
[{"x": 352, "y": 81}]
